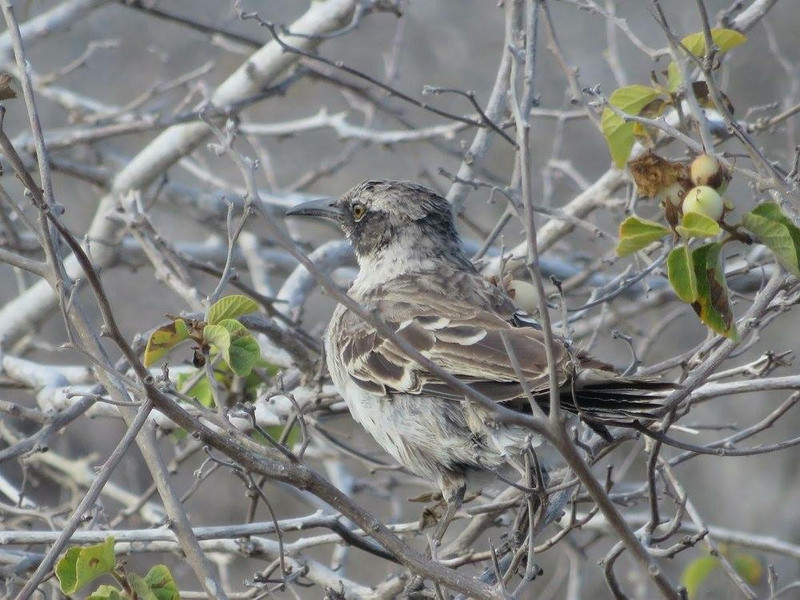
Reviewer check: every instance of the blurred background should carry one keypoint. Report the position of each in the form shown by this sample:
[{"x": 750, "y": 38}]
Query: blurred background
[{"x": 447, "y": 44}]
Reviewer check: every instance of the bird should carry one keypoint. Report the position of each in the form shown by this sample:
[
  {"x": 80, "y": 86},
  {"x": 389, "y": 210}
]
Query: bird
[{"x": 414, "y": 274}]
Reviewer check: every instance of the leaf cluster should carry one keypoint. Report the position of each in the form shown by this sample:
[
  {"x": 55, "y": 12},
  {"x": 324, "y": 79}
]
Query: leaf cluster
[
  {"x": 80, "y": 565},
  {"x": 654, "y": 100},
  {"x": 221, "y": 332}
]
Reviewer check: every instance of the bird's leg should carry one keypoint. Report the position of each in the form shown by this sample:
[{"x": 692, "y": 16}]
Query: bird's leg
[
  {"x": 445, "y": 521},
  {"x": 454, "y": 497}
]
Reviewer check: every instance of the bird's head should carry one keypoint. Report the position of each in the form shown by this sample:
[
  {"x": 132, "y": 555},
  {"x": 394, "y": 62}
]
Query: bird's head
[{"x": 391, "y": 219}]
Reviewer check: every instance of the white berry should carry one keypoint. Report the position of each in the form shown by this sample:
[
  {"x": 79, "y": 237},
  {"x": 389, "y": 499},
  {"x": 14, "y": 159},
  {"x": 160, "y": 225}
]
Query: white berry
[
  {"x": 672, "y": 193},
  {"x": 524, "y": 294},
  {"x": 704, "y": 200},
  {"x": 706, "y": 170}
]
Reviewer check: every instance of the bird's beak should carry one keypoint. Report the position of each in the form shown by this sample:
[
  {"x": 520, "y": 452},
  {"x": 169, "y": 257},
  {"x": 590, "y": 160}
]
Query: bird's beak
[{"x": 325, "y": 208}]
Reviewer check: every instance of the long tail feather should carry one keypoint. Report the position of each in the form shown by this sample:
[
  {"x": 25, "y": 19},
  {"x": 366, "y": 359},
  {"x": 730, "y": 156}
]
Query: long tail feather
[{"x": 603, "y": 396}]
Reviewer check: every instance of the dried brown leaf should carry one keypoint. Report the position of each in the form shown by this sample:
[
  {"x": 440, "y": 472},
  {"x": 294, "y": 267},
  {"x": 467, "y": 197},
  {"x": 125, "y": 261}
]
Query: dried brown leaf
[
  {"x": 6, "y": 91},
  {"x": 652, "y": 173}
]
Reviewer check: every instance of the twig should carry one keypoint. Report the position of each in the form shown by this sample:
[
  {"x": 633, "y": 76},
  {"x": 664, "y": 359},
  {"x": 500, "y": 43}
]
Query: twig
[{"x": 88, "y": 501}]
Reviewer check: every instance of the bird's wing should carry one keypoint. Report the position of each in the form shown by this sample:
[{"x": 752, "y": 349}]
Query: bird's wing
[
  {"x": 467, "y": 338},
  {"x": 471, "y": 340}
]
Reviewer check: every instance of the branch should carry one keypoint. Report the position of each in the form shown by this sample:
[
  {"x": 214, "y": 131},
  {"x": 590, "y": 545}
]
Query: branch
[{"x": 261, "y": 69}]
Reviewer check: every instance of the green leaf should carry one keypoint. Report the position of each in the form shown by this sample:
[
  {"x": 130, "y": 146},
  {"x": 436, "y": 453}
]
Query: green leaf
[
  {"x": 713, "y": 304},
  {"x": 673, "y": 78},
  {"x": 161, "y": 583},
  {"x": 749, "y": 567},
  {"x": 140, "y": 587},
  {"x": 81, "y": 564},
  {"x": 106, "y": 592},
  {"x": 696, "y": 572},
  {"x": 636, "y": 233},
  {"x": 231, "y": 307},
  {"x": 772, "y": 227},
  {"x": 217, "y": 336},
  {"x": 680, "y": 271},
  {"x": 201, "y": 391},
  {"x": 66, "y": 569},
  {"x": 237, "y": 344},
  {"x": 619, "y": 133},
  {"x": 163, "y": 339},
  {"x": 696, "y": 225},
  {"x": 725, "y": 39}
]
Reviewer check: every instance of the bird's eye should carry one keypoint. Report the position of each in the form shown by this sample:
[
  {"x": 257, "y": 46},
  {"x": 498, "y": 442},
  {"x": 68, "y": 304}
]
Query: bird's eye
[{"x": 358, "y": 210}]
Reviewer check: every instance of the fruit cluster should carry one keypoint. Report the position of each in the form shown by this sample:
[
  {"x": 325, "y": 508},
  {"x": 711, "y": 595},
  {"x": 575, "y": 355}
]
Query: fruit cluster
[{"x": 700, "y": 193}]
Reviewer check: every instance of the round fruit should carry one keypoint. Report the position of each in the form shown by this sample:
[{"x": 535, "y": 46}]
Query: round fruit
[
  {"x": 704, "y": 200},
  {"x": 524, "y": 295},
  {"x": 673, "y": 194},
  {"x": 706, "y": 170}
]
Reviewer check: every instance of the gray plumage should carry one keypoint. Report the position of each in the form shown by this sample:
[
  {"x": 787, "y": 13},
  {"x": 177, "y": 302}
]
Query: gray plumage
[{"x": 415, "y": 275}]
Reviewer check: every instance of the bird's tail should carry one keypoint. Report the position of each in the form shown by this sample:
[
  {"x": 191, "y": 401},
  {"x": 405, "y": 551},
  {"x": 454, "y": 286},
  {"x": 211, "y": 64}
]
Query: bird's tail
[
  {"x": 600, "y": 394},
  {"x": 602, "y": 398}
]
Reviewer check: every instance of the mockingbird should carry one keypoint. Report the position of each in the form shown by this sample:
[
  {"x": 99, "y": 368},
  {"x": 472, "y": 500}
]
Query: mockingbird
[{"x": 413, "y": 272}]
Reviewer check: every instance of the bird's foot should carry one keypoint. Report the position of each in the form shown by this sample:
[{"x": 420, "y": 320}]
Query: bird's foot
[
  {"x": 435, "y": 497},
  {"x": 454, "y": 498},
  {"x": 436, "y": 508}
]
